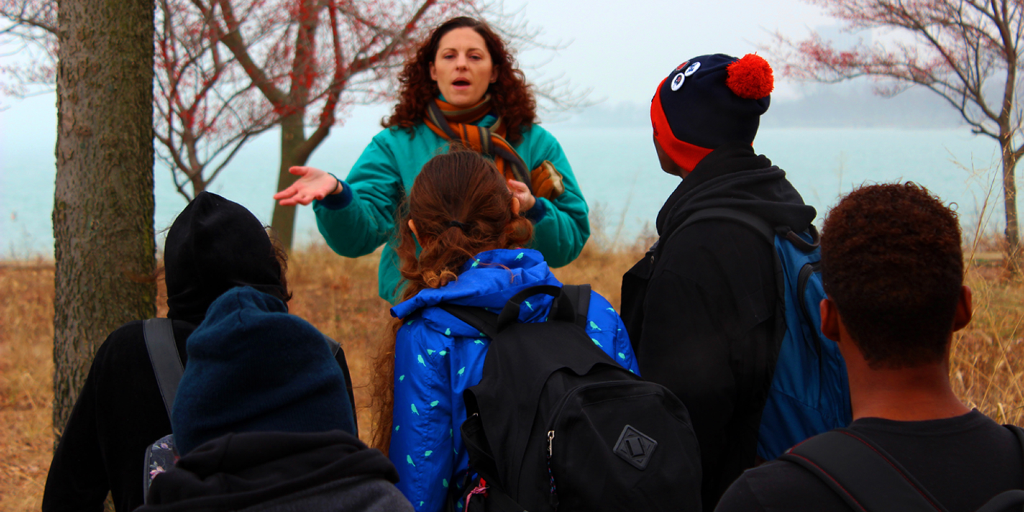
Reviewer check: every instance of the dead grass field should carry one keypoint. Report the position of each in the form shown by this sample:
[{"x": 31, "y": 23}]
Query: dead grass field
[{"x": 339, "y": 296}]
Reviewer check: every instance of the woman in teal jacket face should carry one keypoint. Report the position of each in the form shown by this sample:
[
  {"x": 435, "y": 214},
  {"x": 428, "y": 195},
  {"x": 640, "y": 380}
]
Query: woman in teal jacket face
[{"x": 462, "y": 85}]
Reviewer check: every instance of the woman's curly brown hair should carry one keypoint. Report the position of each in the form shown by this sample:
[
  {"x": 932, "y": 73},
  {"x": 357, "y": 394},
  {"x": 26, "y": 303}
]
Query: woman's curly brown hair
[
  {"x": 892, "y": 263},
  {"x": 511, "y": 96},
  {"x": 461, "y": 206}
]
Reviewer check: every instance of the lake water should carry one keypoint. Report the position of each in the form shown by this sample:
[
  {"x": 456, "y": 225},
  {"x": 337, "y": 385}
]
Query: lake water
[{"x": 616, "y": 167}]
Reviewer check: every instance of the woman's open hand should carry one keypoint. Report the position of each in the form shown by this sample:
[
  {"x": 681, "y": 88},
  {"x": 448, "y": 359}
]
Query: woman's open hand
[
  {"x": 522, "y": 192},
  {"x": 312, "y": 184}
]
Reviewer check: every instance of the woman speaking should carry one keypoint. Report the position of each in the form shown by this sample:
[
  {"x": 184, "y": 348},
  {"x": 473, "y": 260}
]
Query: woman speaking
[{"x": 462, "y": 86}]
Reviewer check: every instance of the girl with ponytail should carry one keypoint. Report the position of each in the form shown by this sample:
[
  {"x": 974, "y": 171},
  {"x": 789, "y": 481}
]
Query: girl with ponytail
[{"x": 472, "y": 240}]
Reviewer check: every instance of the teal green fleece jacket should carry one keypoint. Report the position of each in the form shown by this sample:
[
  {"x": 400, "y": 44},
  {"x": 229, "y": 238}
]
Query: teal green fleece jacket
[{"x": 362, "y": 217}]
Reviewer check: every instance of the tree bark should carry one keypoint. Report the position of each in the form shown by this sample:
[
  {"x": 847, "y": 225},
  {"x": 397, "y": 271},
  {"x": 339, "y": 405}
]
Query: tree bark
[
  {"x": 1013, "y": 253},
  {"x": 293, "y": 135},
  {"x": 103, "y": 200}
]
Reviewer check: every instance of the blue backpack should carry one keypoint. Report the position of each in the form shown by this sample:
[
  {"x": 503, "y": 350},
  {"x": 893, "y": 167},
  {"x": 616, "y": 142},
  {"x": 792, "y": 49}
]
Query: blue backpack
[{"x": 810, "y": 393}]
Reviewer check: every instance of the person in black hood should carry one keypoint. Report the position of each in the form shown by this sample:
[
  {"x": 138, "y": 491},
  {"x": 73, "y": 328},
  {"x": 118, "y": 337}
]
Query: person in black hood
[
  {"x": 701, "y": 307},
  {"x": 213, "y": 246}
]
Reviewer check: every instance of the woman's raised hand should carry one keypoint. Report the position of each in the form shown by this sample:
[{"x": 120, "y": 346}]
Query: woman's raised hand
[
  {"x": 521, "y": 192},
  {"x": 312, "y": 184}
]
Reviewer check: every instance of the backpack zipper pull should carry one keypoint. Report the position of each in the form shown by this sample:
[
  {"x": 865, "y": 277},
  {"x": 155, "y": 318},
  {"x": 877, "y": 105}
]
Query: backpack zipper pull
[{"x": 553, "y": 498}]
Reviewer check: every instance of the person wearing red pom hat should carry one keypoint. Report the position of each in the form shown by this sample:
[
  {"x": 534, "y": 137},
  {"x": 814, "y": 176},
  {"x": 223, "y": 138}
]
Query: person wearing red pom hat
[{"x": 701, "y": 307}]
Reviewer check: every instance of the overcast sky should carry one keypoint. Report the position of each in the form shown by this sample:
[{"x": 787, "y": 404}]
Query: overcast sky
[{"x": 622, "y": 53}]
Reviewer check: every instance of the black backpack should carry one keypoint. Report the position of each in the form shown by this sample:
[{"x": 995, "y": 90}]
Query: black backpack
[
  {"x": 869, "y": 480},
  {"x": 556, "y": 424}
]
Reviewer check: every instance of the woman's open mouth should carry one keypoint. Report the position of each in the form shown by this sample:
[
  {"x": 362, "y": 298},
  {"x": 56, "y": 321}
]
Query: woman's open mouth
[{"x": 460, "y": 83}]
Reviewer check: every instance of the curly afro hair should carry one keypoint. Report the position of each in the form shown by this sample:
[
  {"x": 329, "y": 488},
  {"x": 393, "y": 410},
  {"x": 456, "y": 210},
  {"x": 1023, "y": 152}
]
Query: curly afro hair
[{"x": 892, "y": 263}]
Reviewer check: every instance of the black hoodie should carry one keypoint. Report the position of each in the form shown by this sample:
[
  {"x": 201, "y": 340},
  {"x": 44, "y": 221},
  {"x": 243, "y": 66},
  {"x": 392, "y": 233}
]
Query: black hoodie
[
  {"x": 700, "y": 308},
  {"x": 212, "y": 246},
  {"x": 279, "y": 471}
]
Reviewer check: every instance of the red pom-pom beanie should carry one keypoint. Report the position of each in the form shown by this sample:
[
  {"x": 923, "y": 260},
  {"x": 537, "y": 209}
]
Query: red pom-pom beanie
[{"x": 709, "y": 101}]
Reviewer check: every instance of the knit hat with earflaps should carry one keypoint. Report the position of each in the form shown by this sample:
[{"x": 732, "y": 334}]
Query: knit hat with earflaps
[
  {"x": 252, "y": 367},
  {"x": 709, "y": 101}
]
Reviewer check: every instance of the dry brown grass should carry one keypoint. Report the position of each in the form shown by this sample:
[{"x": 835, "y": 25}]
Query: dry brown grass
[
  {"x": 339, "y": 296},
  {"x": 26, "y": 386},
  {"x": 987, "y": 365}
]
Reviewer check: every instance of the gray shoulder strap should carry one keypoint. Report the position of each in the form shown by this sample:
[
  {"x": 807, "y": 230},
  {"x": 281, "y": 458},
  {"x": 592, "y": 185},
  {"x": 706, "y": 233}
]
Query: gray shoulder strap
[
  {"x": 333, "y": 345},
  {"x": 163, "y": 356}
]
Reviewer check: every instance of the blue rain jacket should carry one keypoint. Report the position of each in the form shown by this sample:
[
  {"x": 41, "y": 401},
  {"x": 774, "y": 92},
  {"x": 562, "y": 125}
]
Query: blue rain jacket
[{"x": 438, "y": 356}]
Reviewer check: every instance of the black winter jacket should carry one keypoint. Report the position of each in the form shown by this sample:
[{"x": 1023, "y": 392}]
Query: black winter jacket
[
  {"x": 117, "y": 416},
  {"x": 700, "y": 308},
  {"x": 278, "y": 471}
]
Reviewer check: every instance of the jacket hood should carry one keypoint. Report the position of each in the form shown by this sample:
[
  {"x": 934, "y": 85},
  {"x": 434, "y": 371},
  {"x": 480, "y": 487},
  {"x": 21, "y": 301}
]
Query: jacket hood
[
  {"x": 487, "y": 281},
  {"x": 238, "y": 470},
  {"x": 734, "y": 176},
  {"x": 214, "y": 245},
  {"x": 252, "y": 367}
]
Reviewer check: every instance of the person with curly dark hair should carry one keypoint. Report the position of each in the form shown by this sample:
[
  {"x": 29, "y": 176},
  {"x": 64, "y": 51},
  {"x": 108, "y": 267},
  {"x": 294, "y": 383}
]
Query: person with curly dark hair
[
  {"x": 463, "y": 85},
  {"x": 893, "y": 271}
]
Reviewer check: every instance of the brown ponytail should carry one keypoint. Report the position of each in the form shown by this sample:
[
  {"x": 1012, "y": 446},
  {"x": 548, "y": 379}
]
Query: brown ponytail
[{"x": 461, "y": 206}]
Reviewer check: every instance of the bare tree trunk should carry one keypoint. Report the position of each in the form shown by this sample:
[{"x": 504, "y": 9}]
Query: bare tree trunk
[
  {"x": 1013, "y": 253},
  {"x": 293, "y": 135},
  {"x": 103, "y": 203}
]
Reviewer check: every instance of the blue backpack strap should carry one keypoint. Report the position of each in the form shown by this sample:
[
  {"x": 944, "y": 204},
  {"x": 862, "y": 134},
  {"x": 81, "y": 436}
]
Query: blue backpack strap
[
  {"x": 866, "y": 477},
  {"x": 163, "y": 356}
]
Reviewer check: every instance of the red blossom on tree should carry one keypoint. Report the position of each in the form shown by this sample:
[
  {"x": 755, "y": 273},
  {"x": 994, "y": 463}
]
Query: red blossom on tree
[{"x": 228, "y": 70}]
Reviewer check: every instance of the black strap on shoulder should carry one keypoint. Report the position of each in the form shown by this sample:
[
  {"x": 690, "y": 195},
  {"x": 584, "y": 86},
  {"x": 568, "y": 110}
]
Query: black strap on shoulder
[
  {"x": 768, "y": 233},
  {"x": 580, "y": 296},
  {"x": 477, "y": 318},
  {"x": 1019, "y": 432},
  {"x": 757, "y": 223},
  {"x": 573, "y": 298},
  {"x": 560, "y": 307},
  {"x": 163, "y": 356},
  {"x": 868, "y": 479},
  {"x": 861, "y": 473},
  {"x": 1008, "y": 501},
  {"x": 333, "y": 345}
]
